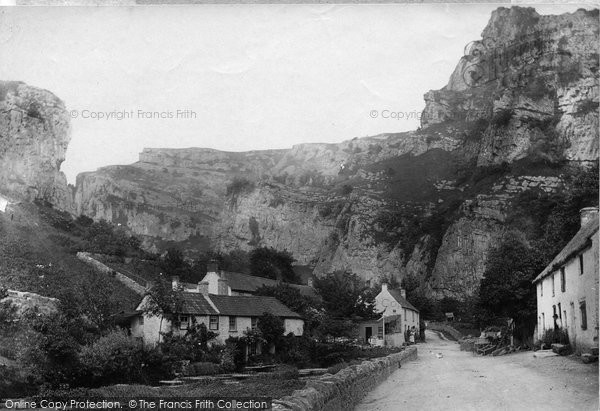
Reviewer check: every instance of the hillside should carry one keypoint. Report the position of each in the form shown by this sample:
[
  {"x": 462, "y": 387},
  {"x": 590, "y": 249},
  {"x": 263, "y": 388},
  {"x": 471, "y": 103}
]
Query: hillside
[
  {"x": 38, "y": 255},
  {"x": 518, "y": 115}
]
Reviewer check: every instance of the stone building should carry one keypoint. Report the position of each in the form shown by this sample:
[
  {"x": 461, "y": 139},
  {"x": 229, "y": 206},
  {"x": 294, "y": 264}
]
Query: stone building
[{"x": 567, "y": 289}]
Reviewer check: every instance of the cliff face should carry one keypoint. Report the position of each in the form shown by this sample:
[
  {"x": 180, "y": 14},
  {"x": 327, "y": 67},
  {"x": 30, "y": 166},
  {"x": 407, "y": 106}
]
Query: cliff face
[
  {"x": 34, "y": 134},
  {"x": 520, "y": 109}
]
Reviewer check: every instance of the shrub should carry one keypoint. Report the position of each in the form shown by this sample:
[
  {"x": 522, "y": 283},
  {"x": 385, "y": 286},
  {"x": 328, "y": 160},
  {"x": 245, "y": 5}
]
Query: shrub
[
  {"x": 202, "y": 368},
  {"x": 586, "y": 106},
  {"x": 234, "y": 354},
  {"x": 502, "y": 117},
  {"x": 193, "y": 346},
  {"x": 346, "y": 189},
  {"x": 238, "y": 186},
  {"x": 555, "y": 336},
  {"x": 116, "y": 357}
]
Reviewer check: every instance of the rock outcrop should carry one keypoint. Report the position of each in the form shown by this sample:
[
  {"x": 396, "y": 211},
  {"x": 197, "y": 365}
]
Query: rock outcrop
[
  {"x": 34, "y": 134},
  {"x": 520, "y": 108}
]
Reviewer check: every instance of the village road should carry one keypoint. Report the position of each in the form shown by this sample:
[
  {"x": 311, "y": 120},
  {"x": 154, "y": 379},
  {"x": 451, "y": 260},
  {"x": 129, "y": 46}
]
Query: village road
[{"x": 462, "y": 381}]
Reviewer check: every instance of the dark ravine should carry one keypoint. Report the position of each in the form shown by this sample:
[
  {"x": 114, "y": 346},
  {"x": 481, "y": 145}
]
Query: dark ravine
[{"x": 520, "y": 109}]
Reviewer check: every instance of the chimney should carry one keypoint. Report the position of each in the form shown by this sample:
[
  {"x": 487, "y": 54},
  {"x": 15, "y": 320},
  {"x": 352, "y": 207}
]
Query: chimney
[
  {"x": 587, "y": 214},
  {"x": 403, "y": 293},
  {"x": 212, "y": 267},
  {"x": 223, "y": 288},
  {"x": 203, "y": 287},
  {"x": 384, "y": 286},
  {"x": 309, "y": 282},
  {"x": 175, "y": 282}
]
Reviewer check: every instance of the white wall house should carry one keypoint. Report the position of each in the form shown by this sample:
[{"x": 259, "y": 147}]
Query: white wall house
[
  {"x": 226, "y": 315},
  {"x": 399, "y": 316},
  {"x": 567, "y": 289}
]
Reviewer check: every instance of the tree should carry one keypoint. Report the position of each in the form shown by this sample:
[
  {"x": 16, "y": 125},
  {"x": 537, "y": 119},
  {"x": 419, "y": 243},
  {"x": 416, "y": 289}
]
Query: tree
[
  {"x": 270, "y": 263},
  {"x": 418, "y": 296},
  {"x": 173, "y": 263},
  {"x": 506, "y": 289},
  {"x": 291, "y": 297},
  {"x": 162, "y": 301},
  {"x": 346, "y": 301},
  {"x": 271, "y": 328}
]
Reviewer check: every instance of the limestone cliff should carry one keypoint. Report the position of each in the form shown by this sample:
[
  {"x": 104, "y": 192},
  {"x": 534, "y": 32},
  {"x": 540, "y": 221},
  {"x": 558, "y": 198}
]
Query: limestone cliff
[
  {"x": 520, "y": 109},
  {"x": 34, "y": 134}
]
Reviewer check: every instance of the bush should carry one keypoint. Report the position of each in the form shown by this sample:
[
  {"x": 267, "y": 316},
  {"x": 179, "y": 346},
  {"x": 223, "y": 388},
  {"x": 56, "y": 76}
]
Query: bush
[
  {"x": 193, "y": 346},
  {"x": 202, "y": 368},
  {"x": 233, "y": 357},
  {"x": 116, "y": 357},
  {"x": 587, "y": 106},
  {"x": 238, "y": 186},
  {"x": 346, "y": 189},
  {"x": 554, "y": 336},
  {"x": 502, "y": 117}
]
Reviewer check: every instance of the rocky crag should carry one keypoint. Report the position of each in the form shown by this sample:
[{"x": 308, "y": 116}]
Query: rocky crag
[
  {"x": 519, "y": 112},
  {"x": 34, "y": 134}
]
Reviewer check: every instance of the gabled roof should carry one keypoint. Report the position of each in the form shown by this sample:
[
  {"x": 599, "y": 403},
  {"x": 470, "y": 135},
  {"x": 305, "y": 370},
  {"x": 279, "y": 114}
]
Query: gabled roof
[
  {"x": 196, "y": 303},
  {"x": 238, "y": 305},
  {"x": 401, "y": 300},
  {"x": 249, "y": 283},
  {"x": 580, "y": 241},
  {"x": 251, "y": 306}
]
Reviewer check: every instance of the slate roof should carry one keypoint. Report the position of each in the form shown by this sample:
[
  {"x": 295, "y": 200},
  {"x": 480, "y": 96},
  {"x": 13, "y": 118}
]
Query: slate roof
[
  {"x": 249, "y": 283},
  {"x": 580, "y": 241},
  {"x": 403, "y": 301},
  {"x": 251, "y": 306},
  {"x": 196, "y": 303},
  {"x": 235, "y": 305}
]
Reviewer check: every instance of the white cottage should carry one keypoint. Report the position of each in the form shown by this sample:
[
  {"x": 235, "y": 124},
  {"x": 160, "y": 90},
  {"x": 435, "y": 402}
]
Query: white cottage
[
  {"x": 226, "y": 315},
  {"x": 398, "y": 314},
  {"x": 567, "y": 289}
]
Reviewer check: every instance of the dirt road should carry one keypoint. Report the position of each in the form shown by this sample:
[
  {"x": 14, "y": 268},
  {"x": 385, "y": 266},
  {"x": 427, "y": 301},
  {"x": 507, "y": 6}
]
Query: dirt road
[{"x": 462, "y": 381}]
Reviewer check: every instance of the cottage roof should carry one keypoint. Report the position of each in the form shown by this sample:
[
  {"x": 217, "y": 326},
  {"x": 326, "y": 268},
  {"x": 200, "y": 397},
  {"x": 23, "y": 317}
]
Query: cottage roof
[
  {"x": 196, "y": 303},
  {"x": 249, "y": 283},
  {"x": 401, "y": 300},
  {"x": 237, "y": 305},
  {"x": 580, "y": 241},
  {"x": 251, "y": 306}
]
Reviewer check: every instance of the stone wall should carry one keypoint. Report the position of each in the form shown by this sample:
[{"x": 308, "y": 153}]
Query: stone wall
[
  {"x": 446, "y": 329},
  {"x": 128, "y": 282},
  {"x": 344, "y": 390}
]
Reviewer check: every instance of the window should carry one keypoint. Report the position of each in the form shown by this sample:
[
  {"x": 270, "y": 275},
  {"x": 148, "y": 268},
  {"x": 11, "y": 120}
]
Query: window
[
  {"x": 254, "y": 323},
  {"x": 565, "y": 318},
  {"x": 232, "y": 323},
  {"x": 413, "y": 316},
  {"x": 583, "y": 315},
  {"x": 553, "y": 275},
  {"x": 580, "y": 264},
  {"x": 213, "y": 322},
  {"x": 183, "y": 322},
  {"x": 562, "y": 279},
  {"x": 559, "y": 315},
  {"x": 380, "y": 332},
  {"x": 542, "y": 288},
  {"x": 142, "y": 320},
  {"x": 543, "y": 321}
]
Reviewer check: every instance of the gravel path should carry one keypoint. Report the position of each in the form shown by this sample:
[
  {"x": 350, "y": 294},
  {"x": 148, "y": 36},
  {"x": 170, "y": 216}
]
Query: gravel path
[{"x": 445, "y": 378}]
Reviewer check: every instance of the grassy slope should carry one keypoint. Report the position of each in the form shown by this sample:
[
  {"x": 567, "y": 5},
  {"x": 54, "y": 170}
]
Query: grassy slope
[{"x": 36, "y": 257}]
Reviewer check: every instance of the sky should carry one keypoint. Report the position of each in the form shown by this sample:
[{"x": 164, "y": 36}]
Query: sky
[{"x": 235, "y": 77}]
